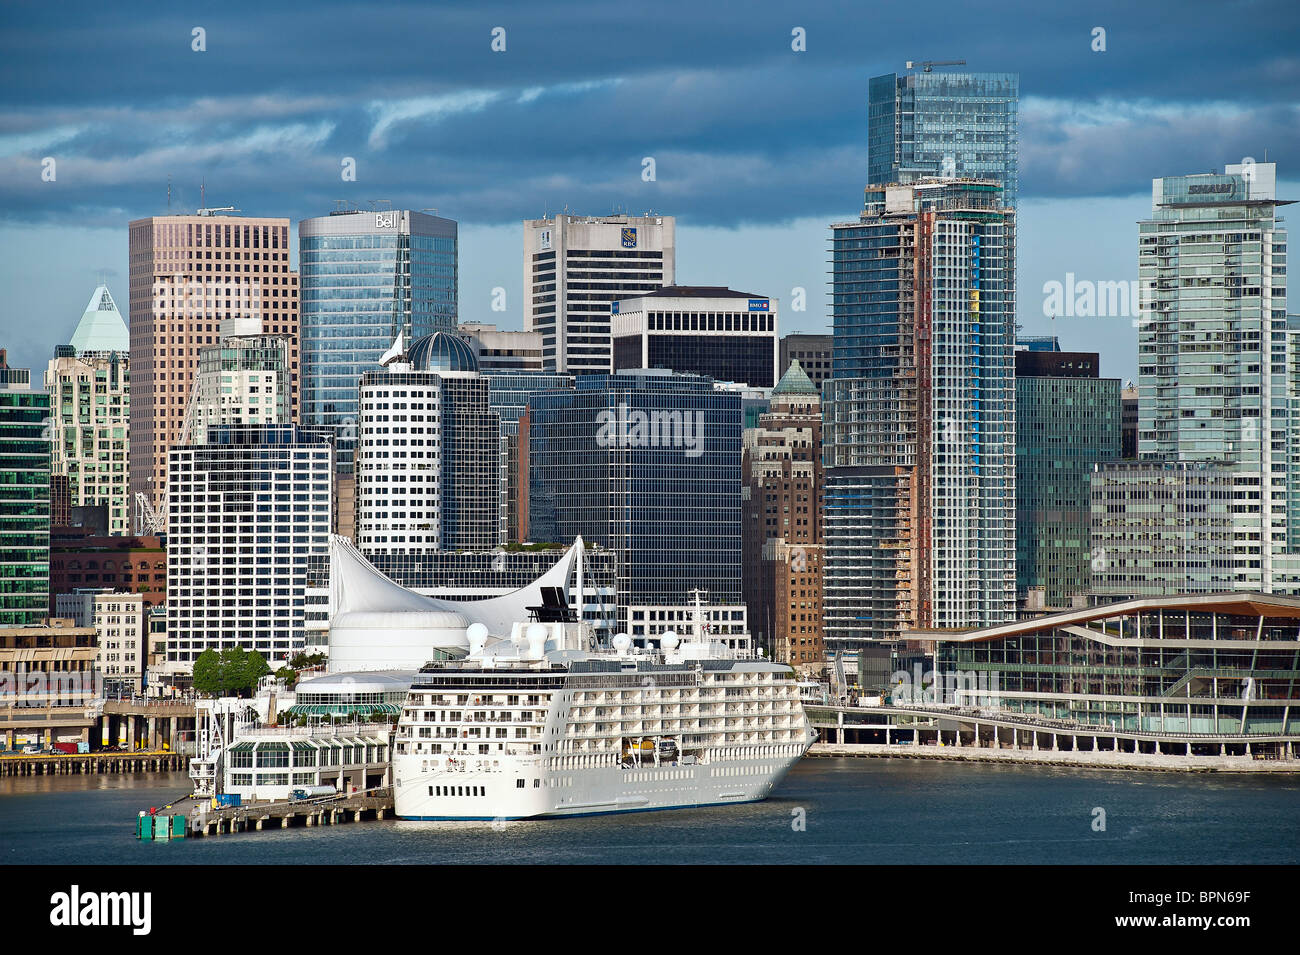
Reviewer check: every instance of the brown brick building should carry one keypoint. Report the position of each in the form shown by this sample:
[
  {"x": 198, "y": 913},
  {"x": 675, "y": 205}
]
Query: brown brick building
[
  {"x": 81, "y": 560},
  {"x": 782, "y": 470}
]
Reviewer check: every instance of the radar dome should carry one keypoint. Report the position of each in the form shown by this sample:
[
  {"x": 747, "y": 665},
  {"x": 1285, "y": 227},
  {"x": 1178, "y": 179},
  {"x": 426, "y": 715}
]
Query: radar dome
[{"x": 477, "y": 635}]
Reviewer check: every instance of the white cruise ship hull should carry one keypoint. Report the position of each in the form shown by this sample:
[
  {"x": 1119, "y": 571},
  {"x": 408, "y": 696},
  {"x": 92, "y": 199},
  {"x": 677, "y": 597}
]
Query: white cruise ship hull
[{"x": 485, "y": 794}]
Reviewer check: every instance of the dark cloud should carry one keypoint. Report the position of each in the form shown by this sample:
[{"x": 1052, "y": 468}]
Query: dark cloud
[{"x": 742, "y": 129}]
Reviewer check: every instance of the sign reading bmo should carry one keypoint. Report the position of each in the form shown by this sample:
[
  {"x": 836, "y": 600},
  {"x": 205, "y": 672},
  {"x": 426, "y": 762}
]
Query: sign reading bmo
[
  {"x": 629, "y": 237},
  {"x": 387, "y": 220},
  {"x": 760, "y": 305}
]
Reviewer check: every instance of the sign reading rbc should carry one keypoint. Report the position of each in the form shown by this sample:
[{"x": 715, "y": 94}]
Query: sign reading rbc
[{"x": 629, "y": 238}]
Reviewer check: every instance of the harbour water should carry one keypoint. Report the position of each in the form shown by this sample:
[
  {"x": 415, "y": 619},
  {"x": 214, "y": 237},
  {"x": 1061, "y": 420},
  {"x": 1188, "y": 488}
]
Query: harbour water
[{"x": 870, "y": 811}]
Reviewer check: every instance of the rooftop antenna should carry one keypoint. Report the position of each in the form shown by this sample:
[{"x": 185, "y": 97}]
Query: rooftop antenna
[
  {"x": 927, "y": 64},
  {"x": 169, "y": 192}
]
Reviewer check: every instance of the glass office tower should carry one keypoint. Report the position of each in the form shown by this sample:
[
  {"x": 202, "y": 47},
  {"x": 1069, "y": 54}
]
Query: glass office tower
[
  {"x": 365, "y": 276},
  {"x": 648, "y": 464},
  {"x": 1068, "y": 418},
  {"x": 948, "y": 124},
  {"x": 24, "y": 498}
]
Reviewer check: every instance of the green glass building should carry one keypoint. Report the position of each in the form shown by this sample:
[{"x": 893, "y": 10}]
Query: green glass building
[
  {"x": 24, "y": 498},
  {"x": 1067, "y": 419}
]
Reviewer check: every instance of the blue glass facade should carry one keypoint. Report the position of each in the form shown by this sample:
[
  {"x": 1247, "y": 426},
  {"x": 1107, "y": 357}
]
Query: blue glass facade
[
  {"x": 649, "y": 465},
  {"x": 364, "y": 277},
  {"x": 955, "y": 125}
]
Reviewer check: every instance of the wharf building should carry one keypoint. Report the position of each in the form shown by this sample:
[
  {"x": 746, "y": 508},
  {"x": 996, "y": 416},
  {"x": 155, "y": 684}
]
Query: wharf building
[
  {"x": 919, "y": 415},
  {"x": 700, "y": 330},
  {"x": 268, "y": 763},
  {"x": 1206, "y": 667},
  {"x": 88, "y": 382},
  {"x": 647, "y": 464},
  {"x": 248, "y": 512},
  {"x": 575, "y": 267},
  {"x": 188, "y": 275},
  {"x": 1214, "y": 386},
  {"x": 812, "y": 352},
  {"x": 366, "y": 277},
  {"x": 782, "y": 511},
  {"x": 46, "y": 667},
  {"x": 948, "y": 124},
  {"x": 1068, "y": 418},
  {"x": 24, "y": 498}
]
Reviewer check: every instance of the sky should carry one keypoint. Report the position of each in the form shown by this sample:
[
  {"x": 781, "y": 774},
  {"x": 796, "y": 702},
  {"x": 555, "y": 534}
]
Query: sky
[{"x": 757, "y": 147}]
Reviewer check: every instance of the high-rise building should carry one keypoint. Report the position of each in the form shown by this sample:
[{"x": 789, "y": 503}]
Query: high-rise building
[
  {"x": 1212, "y": 350},
  {"x": 88, "y": 382},
  {"x": 919, "y": 437},
  {"x": 1128, "y": 397},
  {"x": 508, "y": 393},
  {"x": 812, "y": 352},
  {"x": 928, "y": 125},
  {"x": 427, "y": 456},
  {"x": 1067, "y": 419},
  {"x": 121, "y": 622},
  {"x": 576, "y": 266},
  {"x": 248, "y": 511},
  {"x": 24, "y": 498},
  {"x": 367, "y": 277},
  {"x": 782, "y": 511},
  {"x": 646, "y": 463},
  {"x": 698, "y": 330},
  {"x": 189, "y": 275},
  {"x": 242, "y": 380},
  {"x": 1162, "y": 528},
  {"x": 500, "y": 350}
]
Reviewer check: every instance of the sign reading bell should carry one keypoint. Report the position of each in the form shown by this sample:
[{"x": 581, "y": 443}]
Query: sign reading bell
[{"x": 387, "y": 220}]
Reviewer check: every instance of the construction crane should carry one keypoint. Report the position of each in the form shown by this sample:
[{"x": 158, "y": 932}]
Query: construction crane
[
  {"x": 927, "y": 64},
  {"x": 148, "y": 519}
]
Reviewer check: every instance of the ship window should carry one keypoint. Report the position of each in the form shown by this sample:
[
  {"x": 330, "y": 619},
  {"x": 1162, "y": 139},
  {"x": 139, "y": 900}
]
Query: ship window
[{"x": 519, "y": 784}]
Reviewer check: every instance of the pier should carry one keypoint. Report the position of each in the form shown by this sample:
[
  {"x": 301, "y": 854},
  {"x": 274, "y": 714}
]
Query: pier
[
  {"x": 104, "y": 763},
  {"x": 972, "y": 735},
  {"x": 202, "y": 820}
]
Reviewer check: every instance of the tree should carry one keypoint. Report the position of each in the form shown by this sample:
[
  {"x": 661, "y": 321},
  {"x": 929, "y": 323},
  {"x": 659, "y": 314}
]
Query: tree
[
  {"x": 288, "y": 675},
  {"x": 207, "y": 672}
]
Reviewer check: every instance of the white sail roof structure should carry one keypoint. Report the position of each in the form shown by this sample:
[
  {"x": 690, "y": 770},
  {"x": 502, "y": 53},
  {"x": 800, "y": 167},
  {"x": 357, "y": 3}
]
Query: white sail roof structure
[{"x": 356, "y": 586}]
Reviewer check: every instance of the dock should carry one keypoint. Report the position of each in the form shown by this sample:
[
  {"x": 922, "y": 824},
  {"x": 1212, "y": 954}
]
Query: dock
[
  {"x": 203, "y": 820},
  {"x": 105, "y": 762}
]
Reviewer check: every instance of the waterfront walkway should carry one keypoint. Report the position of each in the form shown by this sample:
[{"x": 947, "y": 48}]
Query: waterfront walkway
[{"x": 968, "y": 734}]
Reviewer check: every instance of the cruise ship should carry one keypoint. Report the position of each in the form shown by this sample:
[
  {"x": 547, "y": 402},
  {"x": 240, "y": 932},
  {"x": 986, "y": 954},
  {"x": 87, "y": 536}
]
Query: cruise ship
[{"x": 545, "y": 723}]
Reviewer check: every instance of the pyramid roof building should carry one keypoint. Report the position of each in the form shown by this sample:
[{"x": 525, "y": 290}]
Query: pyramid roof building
[
  {"x": 101, "y": 327},
  {"x": 795, "y": 381}
]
